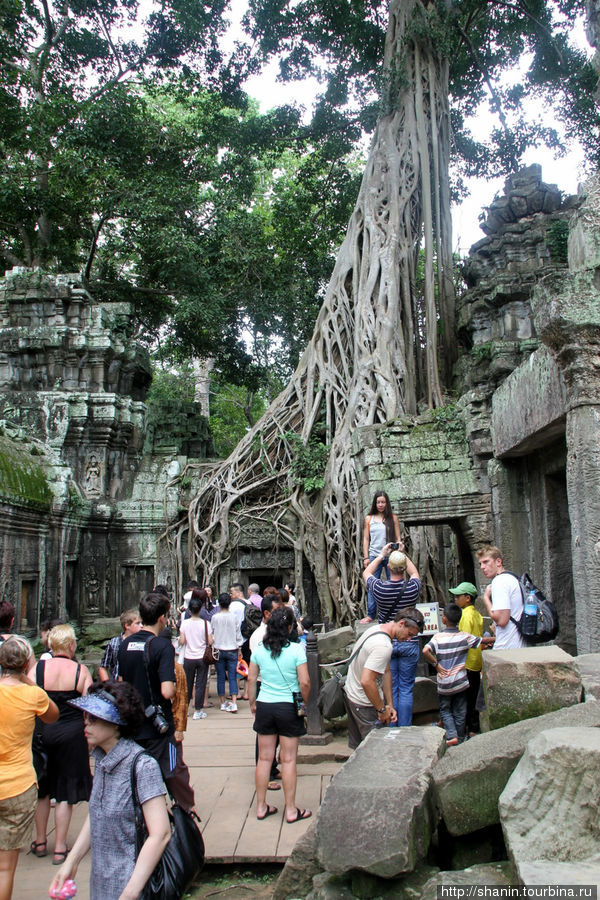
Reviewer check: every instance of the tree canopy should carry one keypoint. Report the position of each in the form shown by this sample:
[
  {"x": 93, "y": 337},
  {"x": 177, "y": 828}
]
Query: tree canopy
[
  {"x": 342, "y": 43},
  {"x": 132, "y": 154},
  {"x": 138, "y": 161}
]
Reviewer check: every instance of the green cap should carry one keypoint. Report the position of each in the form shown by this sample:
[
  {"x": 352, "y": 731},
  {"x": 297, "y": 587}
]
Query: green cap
[{"x": 465, "y": 587}]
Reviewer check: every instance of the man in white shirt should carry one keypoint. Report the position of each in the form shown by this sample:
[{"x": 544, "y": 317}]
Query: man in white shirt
[
  {"x": 365, "y": 706},
  {"x": 238, "y": 601},
  {"x": 503, "y": 599}
]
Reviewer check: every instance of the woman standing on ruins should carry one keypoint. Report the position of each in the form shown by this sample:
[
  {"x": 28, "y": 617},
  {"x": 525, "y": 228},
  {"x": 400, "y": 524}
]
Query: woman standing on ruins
[
  {"x": 68, "y": 777},
  {"x": 284, "y": 674},
  {"x": 380, "y": 527}
]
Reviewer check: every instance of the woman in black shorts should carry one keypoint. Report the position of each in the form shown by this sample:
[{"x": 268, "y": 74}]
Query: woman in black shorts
[{"x": 283, "y": 672}]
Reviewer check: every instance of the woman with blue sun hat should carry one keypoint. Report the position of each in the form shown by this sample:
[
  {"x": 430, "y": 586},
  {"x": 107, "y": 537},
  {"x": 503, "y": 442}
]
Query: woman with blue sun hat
[{"x": 112, "y": 713}]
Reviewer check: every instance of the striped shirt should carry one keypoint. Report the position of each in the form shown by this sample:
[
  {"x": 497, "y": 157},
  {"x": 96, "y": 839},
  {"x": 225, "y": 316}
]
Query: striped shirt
[
  {"x": 392, "y": 596},
  {"x": 450, "y": 648}
]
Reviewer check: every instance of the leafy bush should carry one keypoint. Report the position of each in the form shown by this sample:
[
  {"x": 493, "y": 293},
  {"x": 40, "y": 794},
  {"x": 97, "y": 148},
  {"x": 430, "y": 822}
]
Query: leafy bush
[{"x": 309, "y": 463}]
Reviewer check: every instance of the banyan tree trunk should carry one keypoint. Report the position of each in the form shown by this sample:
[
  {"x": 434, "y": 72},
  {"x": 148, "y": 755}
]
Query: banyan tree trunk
[{"x": 374, "y": 352}]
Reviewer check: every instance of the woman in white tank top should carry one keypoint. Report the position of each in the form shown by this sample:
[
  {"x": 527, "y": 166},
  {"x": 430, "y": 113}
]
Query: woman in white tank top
[{"x": 380, "y": 527}]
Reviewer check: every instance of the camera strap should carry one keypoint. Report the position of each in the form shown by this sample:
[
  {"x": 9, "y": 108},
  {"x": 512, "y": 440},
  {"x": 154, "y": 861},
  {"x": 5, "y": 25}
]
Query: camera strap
[{"x": 147, "y": 670}]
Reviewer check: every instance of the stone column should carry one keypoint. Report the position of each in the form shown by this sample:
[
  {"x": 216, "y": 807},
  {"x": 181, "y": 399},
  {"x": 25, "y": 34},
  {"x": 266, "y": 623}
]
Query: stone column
[
  {"x": 567, "y": 316},
  {"x": 583, "y": 486},
  {"x": 316, "y": 733}
]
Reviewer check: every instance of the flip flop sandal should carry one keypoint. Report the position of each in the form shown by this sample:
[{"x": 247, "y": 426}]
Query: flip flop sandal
[
  {"x": 59, "y": 857},
  {"x": 302, "y": 814},
  {"x": 271, "y": 811}
]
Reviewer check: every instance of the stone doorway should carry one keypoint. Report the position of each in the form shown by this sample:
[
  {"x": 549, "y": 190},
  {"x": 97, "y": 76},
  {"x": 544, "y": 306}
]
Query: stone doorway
[
  {"x": 135, "y": 582},
  {"x": 265, "y": 577},
  {"x": 28, "y": 608},
  {"x": 560, "y": 569}
]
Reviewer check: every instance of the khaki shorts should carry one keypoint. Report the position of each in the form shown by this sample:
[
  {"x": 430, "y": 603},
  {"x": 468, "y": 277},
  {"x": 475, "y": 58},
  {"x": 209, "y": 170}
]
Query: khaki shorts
[{"x": 16, "y": 819}]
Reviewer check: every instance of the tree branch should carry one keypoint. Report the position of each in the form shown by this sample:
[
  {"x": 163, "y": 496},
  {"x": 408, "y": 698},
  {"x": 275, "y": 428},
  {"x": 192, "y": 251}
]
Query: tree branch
[
  {"x": 94, "y": 246},
  {"x": 497, "y": 100}
]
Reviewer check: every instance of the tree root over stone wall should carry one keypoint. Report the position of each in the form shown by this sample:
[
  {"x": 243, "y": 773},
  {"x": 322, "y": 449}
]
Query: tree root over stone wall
[{"x": 374, "y": 350}]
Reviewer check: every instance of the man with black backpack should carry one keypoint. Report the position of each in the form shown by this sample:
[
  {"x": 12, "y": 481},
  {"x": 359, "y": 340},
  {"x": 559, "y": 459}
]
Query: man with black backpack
[{"x": 503, "y": 599}]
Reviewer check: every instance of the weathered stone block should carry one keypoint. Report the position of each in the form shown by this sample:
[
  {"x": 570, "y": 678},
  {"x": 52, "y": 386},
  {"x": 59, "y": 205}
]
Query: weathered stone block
[
  {"x": 550, "y": 808},
  {"x": 531, "y": 681},
  {"x": 329, "y": 887},
  {"x": 551, "y": 872},
  {"x": 529, "y": 406},
  {"x": 101, "y": 630},
  {"x": 301, "y": 866},
  {"x": 387, "y": 779},
  {"x": 425, "y": 695},
  {"x": 334, "y": 644},
  {"x": 372, "y": 456},
  {"x": 588, "y": 666},
  {"x": 469, "y": 780},
  {"x": 490, "y": 874}
]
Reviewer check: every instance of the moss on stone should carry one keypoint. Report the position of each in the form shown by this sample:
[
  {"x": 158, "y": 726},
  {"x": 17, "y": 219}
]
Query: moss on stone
[{"x": 23, "y": 481}]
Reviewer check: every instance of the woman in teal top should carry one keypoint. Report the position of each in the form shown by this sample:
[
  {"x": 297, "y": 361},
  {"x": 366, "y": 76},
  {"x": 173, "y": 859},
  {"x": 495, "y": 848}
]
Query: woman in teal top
[{"x": 283, "y": 672}]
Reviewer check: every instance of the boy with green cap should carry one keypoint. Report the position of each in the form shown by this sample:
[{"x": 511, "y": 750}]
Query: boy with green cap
[{"x": 471, "y": 622}]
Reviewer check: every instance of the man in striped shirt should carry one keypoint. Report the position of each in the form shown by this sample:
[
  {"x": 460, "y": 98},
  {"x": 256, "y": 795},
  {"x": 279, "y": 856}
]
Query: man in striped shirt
[
  {"x": 447, "y": 651},
  {"x": 400, "y": 592}
]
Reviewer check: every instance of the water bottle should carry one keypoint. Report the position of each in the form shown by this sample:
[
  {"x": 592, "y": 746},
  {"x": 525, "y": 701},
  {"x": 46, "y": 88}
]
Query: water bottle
[{"x": 529, "y": 619}]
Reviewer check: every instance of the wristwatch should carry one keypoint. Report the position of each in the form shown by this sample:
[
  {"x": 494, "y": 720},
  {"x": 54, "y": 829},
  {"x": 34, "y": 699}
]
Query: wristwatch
[{"x": 382, "y": 710}]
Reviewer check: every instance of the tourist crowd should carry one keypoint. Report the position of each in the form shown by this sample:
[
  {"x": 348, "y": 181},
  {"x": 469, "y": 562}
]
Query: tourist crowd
[{"x": 55, "y": 715}]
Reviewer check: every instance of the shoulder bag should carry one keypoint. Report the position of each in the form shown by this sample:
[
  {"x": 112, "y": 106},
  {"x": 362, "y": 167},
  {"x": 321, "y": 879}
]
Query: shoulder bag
[
  {"x": 211, "y": 654},
  {"x": 183, "y": 857},
  {"x": 331, "y": 695}
]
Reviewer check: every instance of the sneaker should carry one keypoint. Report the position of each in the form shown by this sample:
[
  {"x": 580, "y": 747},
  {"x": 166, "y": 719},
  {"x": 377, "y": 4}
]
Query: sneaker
[
  {"x": 199, "y": 714},
  {"x": 233, "y": 707},
  {"x": 226, "y": 706}
]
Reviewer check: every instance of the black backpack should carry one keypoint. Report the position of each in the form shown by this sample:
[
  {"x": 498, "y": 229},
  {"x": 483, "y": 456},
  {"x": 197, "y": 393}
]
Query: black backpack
[
  {"x": 540, "y": 626},
  {"x": 252, "y": 619}
]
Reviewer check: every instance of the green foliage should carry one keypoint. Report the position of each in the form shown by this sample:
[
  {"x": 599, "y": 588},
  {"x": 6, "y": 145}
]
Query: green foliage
[
  {"x": 134, "y": 157},
  {"x": 482, "y": 352},
  {"x": 309, "y": 462},
  {"x": 342, "y": 44},
  {"x": 448, "y": 419},
  {"x": 233, "y": 410},
  {"x": 557, "y": 237},
  {"x": 170, "y": 389}
]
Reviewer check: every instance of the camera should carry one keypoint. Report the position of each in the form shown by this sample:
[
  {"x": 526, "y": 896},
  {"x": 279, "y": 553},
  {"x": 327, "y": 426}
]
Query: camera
[
  {"x": 157, "y": 717},
  {"x": 299, "y": 703},
  {"x": 395, "y": 545}
]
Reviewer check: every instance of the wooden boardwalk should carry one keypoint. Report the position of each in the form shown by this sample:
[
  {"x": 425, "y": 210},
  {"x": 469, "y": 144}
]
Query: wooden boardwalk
[{"x": 219, "y": 751}]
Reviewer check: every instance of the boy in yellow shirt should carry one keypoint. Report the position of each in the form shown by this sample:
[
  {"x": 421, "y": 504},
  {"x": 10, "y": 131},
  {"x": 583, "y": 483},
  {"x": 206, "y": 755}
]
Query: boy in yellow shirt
[{"x": 471, "y": 622}]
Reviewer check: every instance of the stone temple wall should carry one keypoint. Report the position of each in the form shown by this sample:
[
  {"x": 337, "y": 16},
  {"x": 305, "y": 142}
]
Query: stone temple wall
[
  {"x": 86, "y": 488},
  {"x": 82, "y": 505},
  {"x": 526, "y": 473}
]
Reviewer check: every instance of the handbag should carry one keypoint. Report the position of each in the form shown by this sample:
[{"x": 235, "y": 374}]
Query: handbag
[
  {"x": 331, "y": 696},
  {"x": 182, "y": 858},
  {"x": 211, "y": 654}
]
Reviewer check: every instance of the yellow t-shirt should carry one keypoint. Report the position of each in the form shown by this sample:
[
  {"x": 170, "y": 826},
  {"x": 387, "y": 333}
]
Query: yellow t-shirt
[
  {"x": 471, "y": 621},
  {"x": 20, "y": 704}
]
